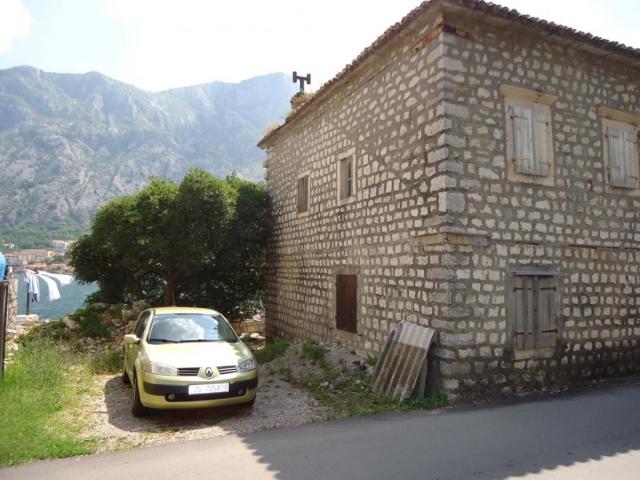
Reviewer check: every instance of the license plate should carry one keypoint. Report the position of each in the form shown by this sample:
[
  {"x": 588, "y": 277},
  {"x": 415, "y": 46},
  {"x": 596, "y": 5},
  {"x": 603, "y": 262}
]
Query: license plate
[{"x": 208, "y": 388}]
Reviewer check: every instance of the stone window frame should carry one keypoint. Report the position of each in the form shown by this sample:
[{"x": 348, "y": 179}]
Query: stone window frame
[
  {"x": 342, "y": 157},
  {"x": 624, "y": 121},
  {"x": 298, "y": 178},
  {"x": 547, "y": 271},
  {"x": 515, "y": 96}
]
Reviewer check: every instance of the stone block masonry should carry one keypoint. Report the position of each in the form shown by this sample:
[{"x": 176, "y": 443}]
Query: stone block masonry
[{"x": 531, "y": 281}]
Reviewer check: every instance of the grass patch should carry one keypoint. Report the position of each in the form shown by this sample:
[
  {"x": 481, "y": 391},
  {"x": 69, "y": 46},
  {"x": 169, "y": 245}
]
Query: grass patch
[
  {"x": 348, "y": 393},
  {"x": 106, "y": 361},
  {"x": 35, "y": 388},
  {"x": 271, "y": 351},
  {"x": 313, "y": 352},
  {"x": 49, "y": 331}
]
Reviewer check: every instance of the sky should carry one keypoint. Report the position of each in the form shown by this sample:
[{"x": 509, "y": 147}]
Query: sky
[{"x": 161, "y": 44}]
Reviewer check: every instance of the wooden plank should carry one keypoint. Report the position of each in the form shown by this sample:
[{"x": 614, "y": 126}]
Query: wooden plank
[
  {"x": 541, "y": 136},
  {"x": 527, "y": 301},
  {"x": 523, "y": 139},
  {"x": 351, "y": 300},
  {"x": 518, "y": 296},
  {"x": 615, "y": 156},
  {"x": 630, "y": 140},
  {"x": 535, "y": 311}
]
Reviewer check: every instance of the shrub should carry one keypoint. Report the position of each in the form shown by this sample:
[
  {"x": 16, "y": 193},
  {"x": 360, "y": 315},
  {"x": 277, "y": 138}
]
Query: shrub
[
  {"x": 271, "y": 351},
  {"x": 106, "y": 361},
  {"x": 312, "y": 351}
]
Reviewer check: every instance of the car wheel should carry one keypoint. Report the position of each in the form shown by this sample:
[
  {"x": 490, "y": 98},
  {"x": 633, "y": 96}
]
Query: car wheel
[
  {"x": 125, "y": 376},
  {"x": 137, "y": 408}
]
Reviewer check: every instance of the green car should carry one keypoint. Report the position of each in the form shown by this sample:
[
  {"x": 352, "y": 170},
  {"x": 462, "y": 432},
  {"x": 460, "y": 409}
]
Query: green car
[{"x": 179, "y": 358}]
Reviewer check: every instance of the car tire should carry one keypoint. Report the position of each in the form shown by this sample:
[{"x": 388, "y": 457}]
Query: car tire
[
  {"x": 125, "y": 376},
  {"x": 137, "y": 408}
]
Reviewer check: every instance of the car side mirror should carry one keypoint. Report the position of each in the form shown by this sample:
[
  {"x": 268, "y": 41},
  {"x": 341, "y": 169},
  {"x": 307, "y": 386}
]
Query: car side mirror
[
  {"x": 244, "y": 336},
  {"x": 131, "y": 339}
]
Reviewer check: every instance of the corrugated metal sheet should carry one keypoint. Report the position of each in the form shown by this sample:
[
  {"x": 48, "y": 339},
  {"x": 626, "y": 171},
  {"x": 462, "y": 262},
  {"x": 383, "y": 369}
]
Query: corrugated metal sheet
[{"x": 403, "y": 360}]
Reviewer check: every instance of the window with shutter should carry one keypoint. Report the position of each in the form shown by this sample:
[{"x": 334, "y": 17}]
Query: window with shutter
[
  {"x": 346, "y": 303},
  {"x": 523, "y": 139},
  {"x": 303, "y": 194},
  {"x": 346, "y": 176},
  {"x": 531, "y": 139},
  {"x": 534, "y": 311},
  {"x": 621, "y": 149}
]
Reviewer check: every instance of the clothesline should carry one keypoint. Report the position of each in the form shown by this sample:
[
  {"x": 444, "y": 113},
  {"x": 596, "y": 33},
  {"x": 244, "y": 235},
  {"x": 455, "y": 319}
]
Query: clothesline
[{"x": 32, "y": 281}]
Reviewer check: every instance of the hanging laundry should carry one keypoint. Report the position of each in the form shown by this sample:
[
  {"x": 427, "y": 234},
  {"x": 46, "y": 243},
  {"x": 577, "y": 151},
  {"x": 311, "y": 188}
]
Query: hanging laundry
[
  {"x": 61, "y": 278},
  {"x": 52, "y": 286},
  {"x": 33, "y": 285}
]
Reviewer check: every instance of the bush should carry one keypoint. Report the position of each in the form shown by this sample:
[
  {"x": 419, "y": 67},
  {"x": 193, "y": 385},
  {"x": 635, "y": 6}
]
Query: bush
[
  {"x": 271, "y": 351},
  {"x": 312, "y": 351},
  {"x": 106, "y": 361},
  {"x": 90, "y": 323}
]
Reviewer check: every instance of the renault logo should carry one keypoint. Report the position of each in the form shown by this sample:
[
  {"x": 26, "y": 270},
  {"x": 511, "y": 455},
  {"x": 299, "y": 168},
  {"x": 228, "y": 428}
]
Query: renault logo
[{"x": 208, "y": 371}]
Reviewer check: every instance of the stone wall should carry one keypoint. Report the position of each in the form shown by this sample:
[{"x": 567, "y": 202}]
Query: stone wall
[
  {"x": 575, "y": 225},
  {"x": 436, "y": 226},
  {"x": 391, "y": 115}
]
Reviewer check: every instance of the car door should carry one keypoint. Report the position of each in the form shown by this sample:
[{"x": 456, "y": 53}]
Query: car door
[{"x": 131, "y": 349}]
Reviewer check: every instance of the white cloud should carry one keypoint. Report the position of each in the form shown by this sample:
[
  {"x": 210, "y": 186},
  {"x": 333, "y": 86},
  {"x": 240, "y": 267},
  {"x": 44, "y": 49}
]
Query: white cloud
[{"x": 15, "y": 21}]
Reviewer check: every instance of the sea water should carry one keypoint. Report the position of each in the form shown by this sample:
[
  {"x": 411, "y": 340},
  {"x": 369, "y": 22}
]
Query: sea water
[{"x": 72, "y": 298}]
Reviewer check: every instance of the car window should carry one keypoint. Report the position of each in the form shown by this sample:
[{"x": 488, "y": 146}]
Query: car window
[
  {"x": 142, "y": 323},
  {"x": 190, "y": 327}
]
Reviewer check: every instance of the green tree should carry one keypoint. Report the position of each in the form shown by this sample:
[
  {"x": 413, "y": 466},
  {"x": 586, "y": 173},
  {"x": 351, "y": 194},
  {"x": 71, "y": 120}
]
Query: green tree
[{"x": 199, "y": 243}]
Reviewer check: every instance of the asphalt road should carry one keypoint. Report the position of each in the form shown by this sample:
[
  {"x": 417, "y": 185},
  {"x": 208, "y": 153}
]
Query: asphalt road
[{"x": 591, "y": 434}]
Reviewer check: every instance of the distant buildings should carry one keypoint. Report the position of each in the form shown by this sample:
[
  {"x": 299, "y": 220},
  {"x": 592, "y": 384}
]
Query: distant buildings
[
  {"x": 31, "y": 255},
  {"x": 60, "y": 247}
]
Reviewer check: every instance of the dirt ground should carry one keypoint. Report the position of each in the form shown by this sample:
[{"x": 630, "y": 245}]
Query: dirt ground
[{"x": 278, "y": 404}]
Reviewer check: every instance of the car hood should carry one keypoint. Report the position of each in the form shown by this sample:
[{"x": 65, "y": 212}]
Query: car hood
[{"x": 182, "y": 355}]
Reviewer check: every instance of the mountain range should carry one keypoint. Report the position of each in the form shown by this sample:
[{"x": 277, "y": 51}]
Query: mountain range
[{"x": 70, "y": 142}]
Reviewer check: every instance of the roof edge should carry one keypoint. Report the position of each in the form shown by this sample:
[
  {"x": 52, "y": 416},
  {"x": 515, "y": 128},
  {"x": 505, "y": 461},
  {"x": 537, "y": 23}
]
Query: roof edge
[{"x": 481, "y": 6}]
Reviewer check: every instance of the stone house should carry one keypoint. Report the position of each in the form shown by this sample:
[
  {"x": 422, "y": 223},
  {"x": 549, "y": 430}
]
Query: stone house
[{"x": 476, "y": 171}]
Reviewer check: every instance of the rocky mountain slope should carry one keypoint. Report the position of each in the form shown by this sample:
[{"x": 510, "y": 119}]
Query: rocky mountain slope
[{"x": 70, "y": 142}]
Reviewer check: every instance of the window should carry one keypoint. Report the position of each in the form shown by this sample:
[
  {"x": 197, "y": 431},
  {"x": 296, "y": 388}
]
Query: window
[
  {"x": 303, "y": 194},
  {"x": 531, "y": 133},
  {"x": 529, "y": 136},
  {"x": 346, "y": 303},
  {"x": 347, "y": 175},
  {"x": 534, "y": 310},
  {"x": 621, "y": 153},
  {"x": 142, "y": 324}
]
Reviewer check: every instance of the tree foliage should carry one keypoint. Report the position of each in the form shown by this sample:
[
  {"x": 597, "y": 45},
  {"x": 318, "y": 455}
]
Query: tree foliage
[{"x": 201, "y": 242}]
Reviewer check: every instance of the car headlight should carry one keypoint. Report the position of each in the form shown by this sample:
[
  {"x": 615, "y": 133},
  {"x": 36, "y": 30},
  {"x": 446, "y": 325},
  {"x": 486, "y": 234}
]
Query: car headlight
[
  {"x": 160, "y": 369},
  {"x": 246, "y": 365}
]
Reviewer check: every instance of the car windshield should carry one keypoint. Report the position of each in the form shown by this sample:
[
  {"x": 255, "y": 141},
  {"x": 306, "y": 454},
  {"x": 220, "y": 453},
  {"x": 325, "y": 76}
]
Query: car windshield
[{"x": 190, "y": 327}]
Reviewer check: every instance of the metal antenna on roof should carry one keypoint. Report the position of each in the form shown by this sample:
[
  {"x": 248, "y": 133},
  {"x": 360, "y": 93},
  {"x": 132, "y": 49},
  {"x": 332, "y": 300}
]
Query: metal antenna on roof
[{"x": 302, "y": 80}]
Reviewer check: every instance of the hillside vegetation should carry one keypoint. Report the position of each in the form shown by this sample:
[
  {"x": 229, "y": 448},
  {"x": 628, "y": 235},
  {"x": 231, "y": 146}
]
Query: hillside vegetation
[{"x": 71, "y": 142}]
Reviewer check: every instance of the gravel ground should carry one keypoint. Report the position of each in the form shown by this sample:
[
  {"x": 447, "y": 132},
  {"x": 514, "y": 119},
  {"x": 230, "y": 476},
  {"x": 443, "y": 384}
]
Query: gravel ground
[{"x": 278, "y": 404}]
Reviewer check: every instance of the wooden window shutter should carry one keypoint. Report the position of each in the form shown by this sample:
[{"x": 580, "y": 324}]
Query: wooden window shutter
[
  {"x": 523, "y": 311},
  {"x": 547, "y": 310},
  {"x": 630, "y": 155},
  {"x": 615, "y": 159},
  {"x": 346, "y": 303},
  {"x": 542, "y": 138},
  {"x": 535, "y": 310},
  {"x": 303, "y": 194},
  {"x": 523, "y": 158}
]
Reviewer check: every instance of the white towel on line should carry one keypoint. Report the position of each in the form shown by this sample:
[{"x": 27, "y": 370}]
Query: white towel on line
[{"x": 52, "y": 286}]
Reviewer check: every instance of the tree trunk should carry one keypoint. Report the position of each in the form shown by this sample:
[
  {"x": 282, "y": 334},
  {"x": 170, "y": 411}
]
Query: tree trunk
[{"x": 170, "y": 291}]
